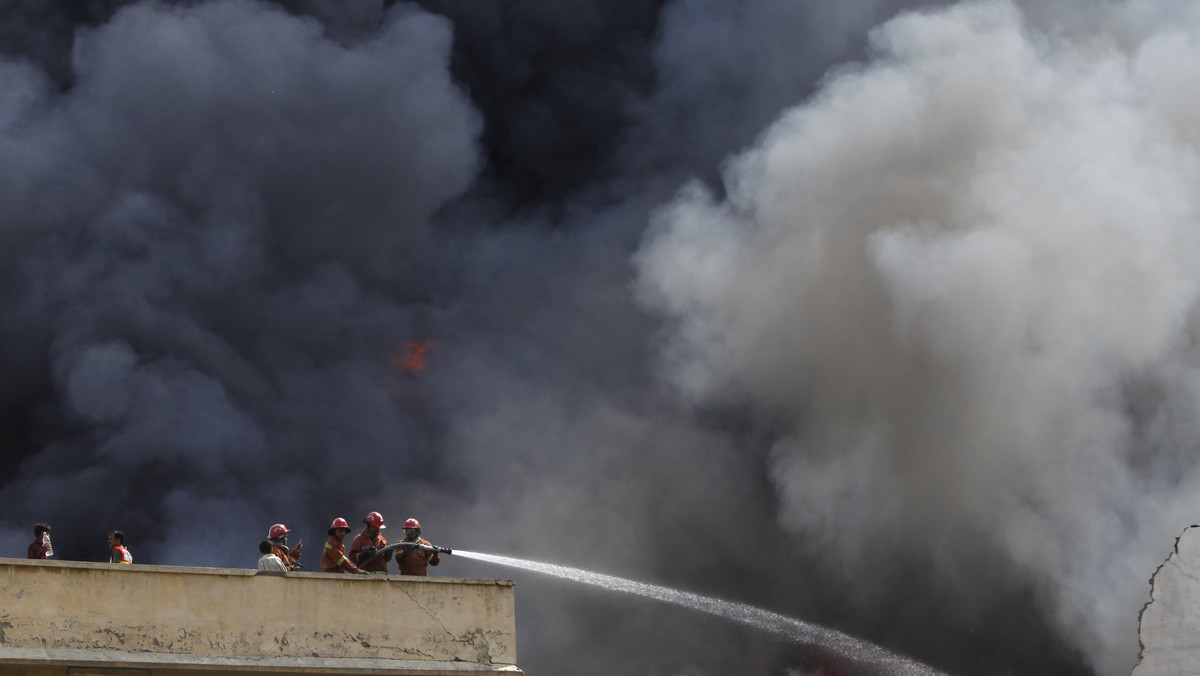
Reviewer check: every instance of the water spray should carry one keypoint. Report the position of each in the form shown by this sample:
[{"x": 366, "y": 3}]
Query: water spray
[{"x": 853, "y": 649}]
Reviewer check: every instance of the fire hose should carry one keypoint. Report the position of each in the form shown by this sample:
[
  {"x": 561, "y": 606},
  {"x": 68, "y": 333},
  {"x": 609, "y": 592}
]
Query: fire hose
[{"x": 432, "y": 549}]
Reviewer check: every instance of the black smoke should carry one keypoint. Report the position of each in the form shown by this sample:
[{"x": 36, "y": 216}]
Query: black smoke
[{"x": 795, "y": 304}]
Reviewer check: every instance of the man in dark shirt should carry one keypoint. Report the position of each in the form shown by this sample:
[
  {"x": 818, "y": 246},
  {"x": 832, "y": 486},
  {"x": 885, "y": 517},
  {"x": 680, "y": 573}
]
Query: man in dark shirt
[{"x": 40, "y": 547}]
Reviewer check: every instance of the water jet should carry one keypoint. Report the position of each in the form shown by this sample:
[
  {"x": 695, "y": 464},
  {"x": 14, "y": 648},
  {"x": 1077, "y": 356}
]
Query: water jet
[{"x": 853, "y": 649}]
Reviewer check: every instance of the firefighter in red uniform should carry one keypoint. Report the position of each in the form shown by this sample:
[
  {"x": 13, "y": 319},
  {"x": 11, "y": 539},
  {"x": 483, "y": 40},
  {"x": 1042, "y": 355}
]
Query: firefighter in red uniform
[
  {"x": 278, "y": 537},
  {"x": 413, "y": 561},
  {"x": 333, "y": 559},
  {"x": 367, "y": 542}
]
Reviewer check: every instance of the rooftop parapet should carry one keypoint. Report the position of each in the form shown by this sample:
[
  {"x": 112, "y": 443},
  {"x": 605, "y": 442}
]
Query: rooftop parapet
[{"x": 59, "y": 617}]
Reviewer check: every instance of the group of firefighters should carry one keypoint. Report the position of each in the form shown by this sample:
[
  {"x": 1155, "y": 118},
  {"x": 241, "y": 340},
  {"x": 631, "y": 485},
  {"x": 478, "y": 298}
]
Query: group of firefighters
[{"x": 369, "y": 551}]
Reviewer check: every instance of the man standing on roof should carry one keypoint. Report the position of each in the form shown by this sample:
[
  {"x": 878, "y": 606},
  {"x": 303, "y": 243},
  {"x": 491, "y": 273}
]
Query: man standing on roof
[
  {"x": 268, "y": 561},
  {"x": 368, "y": 542},
  {"x": 413, "y": 561},
  {"x": 278, "y": 537},
  {"x": 333, "y": 559},
  {"x": 117, "y": 552},
  {"x": 40, "y": 547}
]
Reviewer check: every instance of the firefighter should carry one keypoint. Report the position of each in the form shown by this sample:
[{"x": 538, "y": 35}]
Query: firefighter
[
  {"x": 117, "y": 551},
  {"x": 333, "y": 559},
  {"x": 368, "y": 542},
  {"x": 279, "y": 547},
  {"x": 413, "y": 561}
]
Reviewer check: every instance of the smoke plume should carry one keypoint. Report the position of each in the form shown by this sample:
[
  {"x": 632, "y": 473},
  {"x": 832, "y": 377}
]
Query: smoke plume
[
  {"x": 879, "y": 314},
  {"x": 963, "y": 276}
]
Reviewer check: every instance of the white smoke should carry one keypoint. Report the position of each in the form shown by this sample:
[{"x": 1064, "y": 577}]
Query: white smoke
[{"x": 967, "y": 271}]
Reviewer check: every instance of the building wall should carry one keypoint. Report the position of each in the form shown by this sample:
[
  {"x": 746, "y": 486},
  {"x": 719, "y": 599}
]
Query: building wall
[
  {"x": 1169, "y": 625},
  {"x": 171, "y": 619}
]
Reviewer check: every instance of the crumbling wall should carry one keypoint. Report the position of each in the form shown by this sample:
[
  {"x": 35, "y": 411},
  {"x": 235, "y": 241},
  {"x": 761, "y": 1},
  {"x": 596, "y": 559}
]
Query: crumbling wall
[{"x": 1169, "y": 624}]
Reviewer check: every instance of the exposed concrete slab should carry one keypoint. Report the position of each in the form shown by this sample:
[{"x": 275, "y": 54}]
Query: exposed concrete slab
[
  {"x": 1169, "y": 624},
  {"x": 215, "y": 620}
]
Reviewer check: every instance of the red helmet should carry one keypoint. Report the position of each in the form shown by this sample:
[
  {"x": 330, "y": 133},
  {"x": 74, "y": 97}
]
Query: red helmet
[
  {"x": 412, "y": 523},
  {"x": 277, "y": 530},
  {"x": 339, "y": 523},
  {"x": 375, "y": 519}
]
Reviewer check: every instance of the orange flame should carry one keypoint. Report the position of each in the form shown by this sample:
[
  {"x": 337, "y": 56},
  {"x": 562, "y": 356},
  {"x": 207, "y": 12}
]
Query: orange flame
[{"x": 413, "y": 359}]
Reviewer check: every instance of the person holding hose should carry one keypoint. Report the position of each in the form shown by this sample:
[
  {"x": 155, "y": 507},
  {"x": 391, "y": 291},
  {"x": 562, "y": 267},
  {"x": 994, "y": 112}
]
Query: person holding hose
[
  {"x": 333, "y": 559},
  {"x": 369, "y": 541},
  {"x": 414, "y": 561}
]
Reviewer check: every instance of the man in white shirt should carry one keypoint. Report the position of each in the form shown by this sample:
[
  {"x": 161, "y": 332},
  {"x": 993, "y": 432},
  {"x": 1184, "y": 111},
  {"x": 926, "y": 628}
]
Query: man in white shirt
[{"x": 269, "y": 561}]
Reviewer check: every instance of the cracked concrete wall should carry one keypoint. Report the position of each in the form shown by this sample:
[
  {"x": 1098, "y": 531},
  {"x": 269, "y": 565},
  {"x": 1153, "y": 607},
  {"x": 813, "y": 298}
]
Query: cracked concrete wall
[
  {"x": 229, "y": 612},
  {"x": 1169, "y": 624}
]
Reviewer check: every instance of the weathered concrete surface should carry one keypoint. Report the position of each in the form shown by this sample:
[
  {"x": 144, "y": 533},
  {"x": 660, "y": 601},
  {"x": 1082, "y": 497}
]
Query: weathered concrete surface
[
  {"x": 1169, "y": 626},
  {"x": 172, "y": 619}
]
